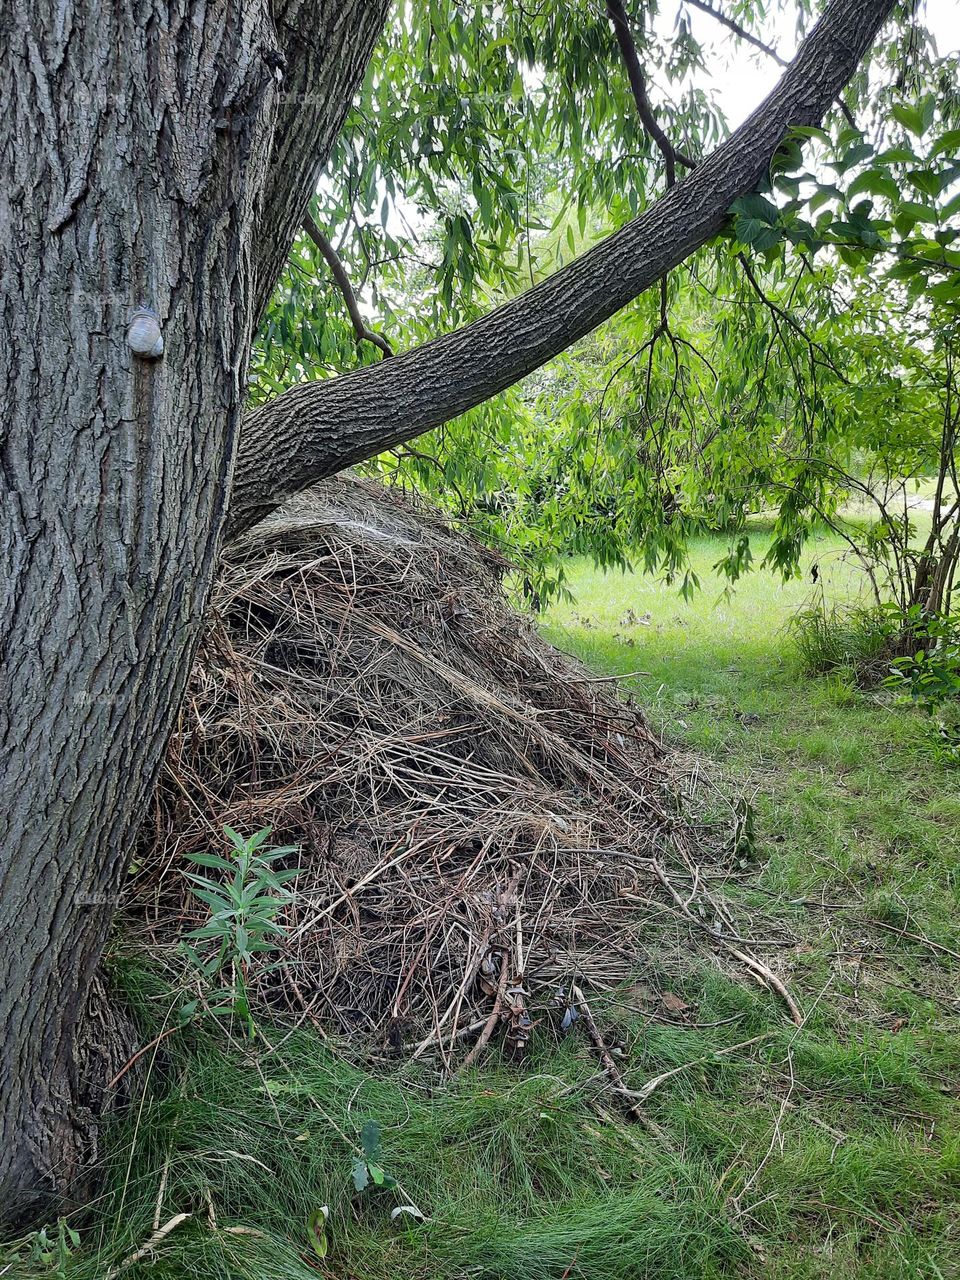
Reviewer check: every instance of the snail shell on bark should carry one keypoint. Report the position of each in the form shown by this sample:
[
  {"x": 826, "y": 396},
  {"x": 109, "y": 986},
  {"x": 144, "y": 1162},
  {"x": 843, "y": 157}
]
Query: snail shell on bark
[{"x": 144, "y": 336}]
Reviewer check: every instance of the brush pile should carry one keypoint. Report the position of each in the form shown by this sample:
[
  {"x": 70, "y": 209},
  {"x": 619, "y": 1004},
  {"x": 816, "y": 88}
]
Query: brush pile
[{"x": 483, "y": 828}]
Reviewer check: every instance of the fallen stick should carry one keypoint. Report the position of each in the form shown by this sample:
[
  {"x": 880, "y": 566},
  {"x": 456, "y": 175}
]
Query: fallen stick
[
  {"x": 612, "y": 1070},
  {"x": 157, "y": 1040},
  {"x": 655, "y": 1082},
  {"x": 759, "y": 970},
  {"x": 161, "y": 1192},
  {"x": 491, "y": 1022},
  {"x": 769, "y": 979},
  {"x": 160, "y": 1234},
  {"x": 914, "y": 937},
  {"x": 468, "y": 977}
]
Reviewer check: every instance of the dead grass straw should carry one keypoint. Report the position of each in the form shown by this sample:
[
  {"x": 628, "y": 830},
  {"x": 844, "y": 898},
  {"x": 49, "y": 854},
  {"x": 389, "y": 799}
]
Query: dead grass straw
[{"x": 482, "y": 826}]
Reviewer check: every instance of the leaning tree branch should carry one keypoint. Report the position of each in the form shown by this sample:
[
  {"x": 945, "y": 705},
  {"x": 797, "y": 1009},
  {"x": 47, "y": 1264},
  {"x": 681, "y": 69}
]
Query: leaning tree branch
[
  {"x": 339, "y": 273},
  {"x": 319, "y": 428}
]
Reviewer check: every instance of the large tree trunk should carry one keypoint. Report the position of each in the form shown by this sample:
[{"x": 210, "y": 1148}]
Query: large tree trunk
[
  {"x": 160, "y": 153},
  {"x": 137, "y": 149}
]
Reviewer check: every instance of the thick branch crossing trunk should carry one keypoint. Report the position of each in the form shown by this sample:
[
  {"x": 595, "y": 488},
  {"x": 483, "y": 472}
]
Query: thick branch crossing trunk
[{"x": 318, "y": 428}]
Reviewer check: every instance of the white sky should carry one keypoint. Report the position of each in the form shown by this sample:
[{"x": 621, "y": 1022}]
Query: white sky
[{"x": 742, "y": 77}]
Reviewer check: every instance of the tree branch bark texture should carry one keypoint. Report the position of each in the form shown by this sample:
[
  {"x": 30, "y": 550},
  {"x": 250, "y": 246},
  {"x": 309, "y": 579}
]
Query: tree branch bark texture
[{"x": 318, "y": 428}]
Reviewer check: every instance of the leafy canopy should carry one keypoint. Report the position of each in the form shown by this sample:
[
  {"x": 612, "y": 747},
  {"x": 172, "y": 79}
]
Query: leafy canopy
[{"x": 492, "y": 142}]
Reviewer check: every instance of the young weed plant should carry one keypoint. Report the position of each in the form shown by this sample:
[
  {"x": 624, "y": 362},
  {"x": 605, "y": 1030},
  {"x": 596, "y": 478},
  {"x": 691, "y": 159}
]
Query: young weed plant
[
  {"x": 245, "y": 905},
  {"x": 47, "y": 1251},
  {"x": 366, "y": 1169}
]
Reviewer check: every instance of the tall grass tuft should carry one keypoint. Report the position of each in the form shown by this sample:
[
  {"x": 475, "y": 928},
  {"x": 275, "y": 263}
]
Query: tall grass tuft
[{"x": 857, "y": 641}]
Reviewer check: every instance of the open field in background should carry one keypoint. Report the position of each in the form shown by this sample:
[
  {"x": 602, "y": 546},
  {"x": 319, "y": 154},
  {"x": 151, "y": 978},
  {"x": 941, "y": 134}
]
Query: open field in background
[
  {"x": 829, "y": 1149},
  {"x": 858, "y": 840}
]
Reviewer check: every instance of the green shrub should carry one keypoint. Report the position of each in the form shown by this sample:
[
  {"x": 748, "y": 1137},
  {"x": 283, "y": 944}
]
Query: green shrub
[
  {"x": 930, "y": 669},
  {"x": 854, "y": 641},
  {"x": 903, "y": 649}
]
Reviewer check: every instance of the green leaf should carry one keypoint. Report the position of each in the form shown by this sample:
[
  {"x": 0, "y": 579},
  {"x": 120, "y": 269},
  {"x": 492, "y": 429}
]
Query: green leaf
[
  {"x": 948, "y": 143},
  {"x": 187, "y": 1012},
  {"x": 860, "y": 151},
  {"x": 947, "y": 291},
  {"x": 757, "y": 235},
  {"x": 361, "y": 1176},
  {"x": 211, "y": 860},
  {"x": 221, "y": 907},
  {"x": 317, "y": 1230},
  {"x": 929, "y": 182},
  {"x": 922, "y": 212},
  {"x": 824, "y": 193},
  {"x": 910, "y": 117},
  {"x": 874, "y": 182},
  {"x": 897, "y": 155},
  {"x": 370, "y": 1138},
  {"x": 904, "y": 270},
  {"x": 756, "y": 206},
  {"x": 804, "y": 132}
]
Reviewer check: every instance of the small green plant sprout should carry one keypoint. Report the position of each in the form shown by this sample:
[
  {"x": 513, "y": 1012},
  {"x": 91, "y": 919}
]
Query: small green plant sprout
[
  {"x": 52, "y": 1247},
  {"x": 366, "y": 1170},
  {"x": 245, "y": 904},
  {"x": 317, "y": 1230}
]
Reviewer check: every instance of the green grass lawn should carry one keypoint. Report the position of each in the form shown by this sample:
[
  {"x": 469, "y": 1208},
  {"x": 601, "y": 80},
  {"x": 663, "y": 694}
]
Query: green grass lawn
[
  {"x": 853, "y": 799},
  {"x": 831, "y": 1148}
]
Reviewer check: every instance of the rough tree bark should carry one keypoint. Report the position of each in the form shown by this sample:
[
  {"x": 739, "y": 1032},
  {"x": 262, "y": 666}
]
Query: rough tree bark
[
  {"x": 161, "y": 153},
  {"x": 150, "y": 159}
]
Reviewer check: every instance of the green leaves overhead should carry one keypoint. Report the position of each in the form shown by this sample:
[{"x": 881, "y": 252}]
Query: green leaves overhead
[
  {"x": 756, "y": 222},
  {"x": 906, "y": 227},
  {"x": 493, "y": 142},
  {"x": 479, "y": 128}
]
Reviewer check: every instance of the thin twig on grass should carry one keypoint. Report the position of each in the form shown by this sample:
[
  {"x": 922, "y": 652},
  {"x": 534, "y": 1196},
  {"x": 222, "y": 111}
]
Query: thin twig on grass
[
  {"x": 135, "y": 1058},
  {"x": 654, "y": 1083},
  {"x": 914, "y": 937},
  {"x": 612, "y": 1070},
  {"x": 160, "y": 1234}
]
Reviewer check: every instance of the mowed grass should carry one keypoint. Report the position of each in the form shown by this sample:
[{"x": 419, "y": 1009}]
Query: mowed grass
[
  {"x": 853, "y": 797},
  {"x": 828, "y": 1149}
]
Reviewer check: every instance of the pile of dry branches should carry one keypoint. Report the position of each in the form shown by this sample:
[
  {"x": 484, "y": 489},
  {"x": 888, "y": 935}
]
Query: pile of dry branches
[{"x": 484, "y": 830}]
